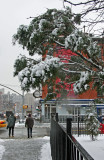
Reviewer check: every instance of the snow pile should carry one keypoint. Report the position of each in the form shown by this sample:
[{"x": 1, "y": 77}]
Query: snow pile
[
  {"x": 46, "y": 151},
  {"x": 94, "y": 148},
  {"x": 20, "y": 124}
]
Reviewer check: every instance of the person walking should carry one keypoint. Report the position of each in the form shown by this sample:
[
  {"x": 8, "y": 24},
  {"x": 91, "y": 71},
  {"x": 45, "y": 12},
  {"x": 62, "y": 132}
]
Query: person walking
[
  {"x": 29, "y": 124},
  {"x": 11, "y": 123}
]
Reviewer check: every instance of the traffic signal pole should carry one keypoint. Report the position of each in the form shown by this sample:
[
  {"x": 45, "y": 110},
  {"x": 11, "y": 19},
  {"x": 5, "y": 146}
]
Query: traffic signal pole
[
  {"x": 22, "y": 95},
  {"x": 22, "y": 105}
]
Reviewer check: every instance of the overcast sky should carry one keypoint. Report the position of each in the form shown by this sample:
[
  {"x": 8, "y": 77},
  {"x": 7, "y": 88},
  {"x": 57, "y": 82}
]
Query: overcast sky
[{"x": 12, "y": 14}]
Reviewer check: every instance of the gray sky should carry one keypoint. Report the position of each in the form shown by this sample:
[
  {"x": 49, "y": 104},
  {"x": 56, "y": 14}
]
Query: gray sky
[{"x": 12, "y": 14}]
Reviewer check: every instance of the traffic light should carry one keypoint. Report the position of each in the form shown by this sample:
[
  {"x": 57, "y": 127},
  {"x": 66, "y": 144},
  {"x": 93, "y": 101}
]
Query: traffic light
[{"x": 25, "y": 106}]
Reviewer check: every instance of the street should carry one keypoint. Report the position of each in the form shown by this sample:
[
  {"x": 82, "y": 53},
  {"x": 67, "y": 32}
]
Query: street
[{"x": 20, "y": 147}]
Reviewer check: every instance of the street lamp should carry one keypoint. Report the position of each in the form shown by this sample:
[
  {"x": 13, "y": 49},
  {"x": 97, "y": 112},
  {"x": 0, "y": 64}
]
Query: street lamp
[{"x": 22, "y": 95}]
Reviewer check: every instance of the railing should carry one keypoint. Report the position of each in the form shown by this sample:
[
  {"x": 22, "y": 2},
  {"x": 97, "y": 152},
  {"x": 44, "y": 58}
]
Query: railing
[{"x": 63, "y": 145}]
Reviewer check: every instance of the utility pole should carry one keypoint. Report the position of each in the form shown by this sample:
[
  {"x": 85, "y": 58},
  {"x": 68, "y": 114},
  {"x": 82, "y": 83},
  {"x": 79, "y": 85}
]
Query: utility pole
[{"x": 22, "y": 105}]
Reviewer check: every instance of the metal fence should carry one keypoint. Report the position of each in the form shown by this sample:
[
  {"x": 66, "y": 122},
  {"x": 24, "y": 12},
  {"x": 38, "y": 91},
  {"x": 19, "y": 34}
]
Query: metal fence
[
  {"x": 63, "y": 145},
  {"x": 79, "y": 126}
]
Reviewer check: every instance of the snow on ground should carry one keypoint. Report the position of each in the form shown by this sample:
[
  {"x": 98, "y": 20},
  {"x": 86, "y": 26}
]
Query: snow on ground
[
  {"x": 2, "y": 149},
  {"x": 94, "y": 148},
  {"x": 36, "y": 124},
  {"x": 19, "y": 124},
  {"x": 46, "y": 151}
]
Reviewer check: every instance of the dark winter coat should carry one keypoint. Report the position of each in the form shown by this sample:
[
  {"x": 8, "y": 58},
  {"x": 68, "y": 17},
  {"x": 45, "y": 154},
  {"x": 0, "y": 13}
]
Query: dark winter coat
[
  {"x": 11, "y": 121},
  {"x": 29, "y": 122}
]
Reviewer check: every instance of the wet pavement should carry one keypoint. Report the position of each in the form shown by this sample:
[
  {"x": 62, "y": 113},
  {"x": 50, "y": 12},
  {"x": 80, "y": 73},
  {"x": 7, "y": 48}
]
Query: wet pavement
[
  {"x": 20, "y": 131},
  {"x": 22, "y": 148}
]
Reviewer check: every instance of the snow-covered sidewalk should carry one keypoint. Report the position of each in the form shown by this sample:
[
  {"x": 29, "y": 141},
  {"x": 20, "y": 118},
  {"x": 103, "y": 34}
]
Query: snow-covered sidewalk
[
  {"x": 2, "y": 148},
  {"x": 33, "y": 149}
]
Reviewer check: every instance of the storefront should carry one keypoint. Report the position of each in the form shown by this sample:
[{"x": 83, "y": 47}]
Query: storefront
[
  {"x": 66, "y": 108},
  {"x": 47, "y": 108}
]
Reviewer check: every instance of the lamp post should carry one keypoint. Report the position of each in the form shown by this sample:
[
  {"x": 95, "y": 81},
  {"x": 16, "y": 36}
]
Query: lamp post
[
  {"x": 22, "y": 105},
  {"x": 22, "y": 95}
]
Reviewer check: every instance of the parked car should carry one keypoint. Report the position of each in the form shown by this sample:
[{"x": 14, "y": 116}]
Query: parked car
[
  {"x": 36, "y": 116},
  {"x": 3, "y": 123},
  {"x": 102, "y": 128}
]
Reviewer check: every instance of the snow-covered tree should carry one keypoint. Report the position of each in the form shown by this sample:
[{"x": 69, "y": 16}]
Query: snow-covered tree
[
  {"x": 46, "y": 35},
  {"x": 92, "y": 123}
]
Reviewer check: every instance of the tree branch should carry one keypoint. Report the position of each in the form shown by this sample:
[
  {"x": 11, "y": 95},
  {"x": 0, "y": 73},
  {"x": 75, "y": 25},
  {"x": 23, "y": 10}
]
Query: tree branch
[
  {"x": 89, "y": 61},
  {"x": 77, "y": 72},
  {"x": 80, "y": 3}
]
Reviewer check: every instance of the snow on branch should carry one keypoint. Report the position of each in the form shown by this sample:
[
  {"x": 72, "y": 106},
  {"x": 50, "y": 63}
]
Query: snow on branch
[
  {"x": 38, "y": 73},
  {"x": 81, "y": 84},
  {"x": 80, "y": 43},
  {"x": 69, "y": 71}
]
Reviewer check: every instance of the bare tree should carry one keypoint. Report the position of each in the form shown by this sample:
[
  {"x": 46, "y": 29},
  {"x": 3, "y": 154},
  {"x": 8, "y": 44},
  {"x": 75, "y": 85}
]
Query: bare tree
[{"x": 91, "y": 14}]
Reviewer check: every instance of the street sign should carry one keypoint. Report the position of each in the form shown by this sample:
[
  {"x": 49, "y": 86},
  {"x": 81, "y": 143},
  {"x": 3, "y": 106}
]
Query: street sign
[{"x": 36, "y": 94}]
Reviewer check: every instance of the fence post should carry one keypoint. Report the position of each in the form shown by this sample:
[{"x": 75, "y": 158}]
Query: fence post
[
  {"x": 78, "y": 124},
  {"x": 68, "y": 141},
  {"x": 69, "y": 126},
  {"x": 52, "y": 115},
  {"x": 56, "y": 117}
]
